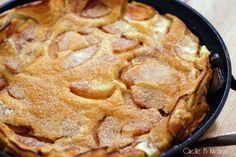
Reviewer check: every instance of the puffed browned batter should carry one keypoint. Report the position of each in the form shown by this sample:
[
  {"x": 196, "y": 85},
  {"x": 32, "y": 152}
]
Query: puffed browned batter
[{"x": 98, "y": 78}]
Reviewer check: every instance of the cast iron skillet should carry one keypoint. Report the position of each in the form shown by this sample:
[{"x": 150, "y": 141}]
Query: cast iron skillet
[{"x": 209, "y": 37}]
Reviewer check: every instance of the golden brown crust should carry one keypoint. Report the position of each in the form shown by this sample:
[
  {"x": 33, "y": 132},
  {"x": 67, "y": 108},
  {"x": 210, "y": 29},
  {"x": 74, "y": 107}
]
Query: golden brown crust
[{"x": 84, "y": 78}]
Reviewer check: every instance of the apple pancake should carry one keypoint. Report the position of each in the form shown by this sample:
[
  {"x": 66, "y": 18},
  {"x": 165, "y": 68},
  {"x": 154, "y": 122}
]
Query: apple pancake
[{"x": 85, "y": 78}]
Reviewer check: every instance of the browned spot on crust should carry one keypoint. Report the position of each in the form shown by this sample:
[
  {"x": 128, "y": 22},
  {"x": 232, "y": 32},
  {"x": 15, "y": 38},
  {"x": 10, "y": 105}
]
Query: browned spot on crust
[
  {"x": 20, "y": 130},
  {"x": 9, "y": 28},
  {"x": 163, "y": 113}
]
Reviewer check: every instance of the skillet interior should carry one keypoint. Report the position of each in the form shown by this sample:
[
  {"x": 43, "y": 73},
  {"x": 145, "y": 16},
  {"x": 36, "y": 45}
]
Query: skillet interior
[{"x": 209, "y": 37}]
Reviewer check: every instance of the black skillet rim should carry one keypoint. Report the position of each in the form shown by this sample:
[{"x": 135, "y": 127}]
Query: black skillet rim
[{"x": 188, "y": 142}]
